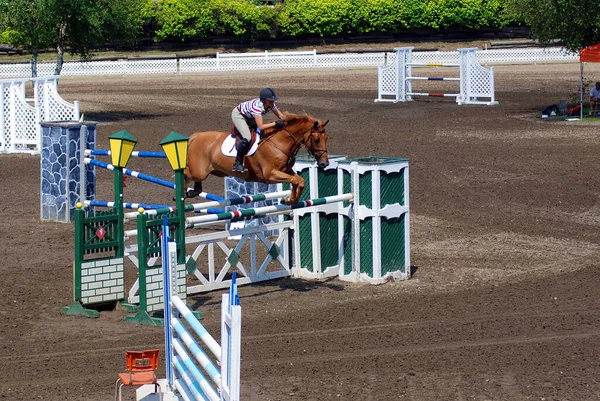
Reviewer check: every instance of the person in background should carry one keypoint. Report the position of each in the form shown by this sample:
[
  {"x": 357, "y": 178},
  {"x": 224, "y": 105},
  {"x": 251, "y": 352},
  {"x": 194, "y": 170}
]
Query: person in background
[
  {"x": 249, "y": 114},
  {"x": 594, "y": 97}
]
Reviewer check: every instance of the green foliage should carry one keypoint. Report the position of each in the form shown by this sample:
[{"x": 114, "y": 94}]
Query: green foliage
[
  {"x": 575, "y": 22},
  {"x": 474, "y": 14},
  {"x": 309, "y": 17},
  {"x": 28, "y": 25},
  {"x": 243, "y": 19},
  {"x": 179, "y": 19},
  {"x": 79, "y": 25},
  {"x": 375, "y": 15},
  {"x": 86, "y": 24}
]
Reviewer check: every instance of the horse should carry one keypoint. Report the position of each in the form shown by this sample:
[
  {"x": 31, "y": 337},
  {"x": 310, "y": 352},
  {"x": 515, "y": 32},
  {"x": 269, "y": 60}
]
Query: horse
[{"x": 272, "y": 161}]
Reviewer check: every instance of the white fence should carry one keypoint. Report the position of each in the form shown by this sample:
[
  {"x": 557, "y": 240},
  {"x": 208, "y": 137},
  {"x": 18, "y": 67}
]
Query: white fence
[{"x": 278, "y": 60}]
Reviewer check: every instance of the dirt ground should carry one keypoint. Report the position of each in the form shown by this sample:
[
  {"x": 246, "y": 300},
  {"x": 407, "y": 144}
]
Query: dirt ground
[{"x": 503, "y": 304}]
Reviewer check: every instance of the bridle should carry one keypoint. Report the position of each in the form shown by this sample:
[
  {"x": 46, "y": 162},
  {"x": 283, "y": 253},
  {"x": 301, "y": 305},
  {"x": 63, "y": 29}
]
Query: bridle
[{"x": 303, "y": 143}]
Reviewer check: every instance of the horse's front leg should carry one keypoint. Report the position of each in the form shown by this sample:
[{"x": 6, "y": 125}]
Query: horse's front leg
[
  {"x": 189, "y": 192},
  {"x": 295, "y": 181}
]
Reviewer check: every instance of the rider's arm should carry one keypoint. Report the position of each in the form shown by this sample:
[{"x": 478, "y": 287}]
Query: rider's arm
[
  {"x": 279, "y": 114},
  {"x": 260, "y": 124}
]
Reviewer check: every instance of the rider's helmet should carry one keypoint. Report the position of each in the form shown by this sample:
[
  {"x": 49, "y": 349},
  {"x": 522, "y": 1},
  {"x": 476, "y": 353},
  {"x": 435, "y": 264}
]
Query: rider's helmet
[{"x": 268, "y": 94}]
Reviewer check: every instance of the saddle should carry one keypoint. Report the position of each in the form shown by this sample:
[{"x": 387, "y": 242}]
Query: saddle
[
  {"x": 238, "y": 137},
  {"x": 231, "y": 142}
]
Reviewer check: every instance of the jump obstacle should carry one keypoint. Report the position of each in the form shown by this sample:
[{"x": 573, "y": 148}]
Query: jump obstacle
[
  {"x": 20, "y": 131},
  {"x": 365, "y": 239},
  {"x": 475, "y": 81},
  {"x": 197, "y": 366}
]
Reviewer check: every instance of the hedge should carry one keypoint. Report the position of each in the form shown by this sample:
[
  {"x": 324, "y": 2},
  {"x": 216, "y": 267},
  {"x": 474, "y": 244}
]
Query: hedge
[{"x": 248, "y": 21}]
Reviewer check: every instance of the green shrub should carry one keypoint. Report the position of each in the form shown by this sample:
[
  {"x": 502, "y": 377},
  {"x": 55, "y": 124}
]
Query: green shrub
[
  {"x": 474, "y": 14},
  {"x": 179, "y": 19},
  {"x": 244, "y": 20},
  {"x": 309, "y": 17},
  {"x": 247, "y": 21}
]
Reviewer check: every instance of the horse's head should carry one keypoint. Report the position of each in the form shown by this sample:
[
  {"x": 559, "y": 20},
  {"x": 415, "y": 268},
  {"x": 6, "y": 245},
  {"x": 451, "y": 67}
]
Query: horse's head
[
  {"x": 316, "y": 143},
  {"x": 309, "y": 132}
]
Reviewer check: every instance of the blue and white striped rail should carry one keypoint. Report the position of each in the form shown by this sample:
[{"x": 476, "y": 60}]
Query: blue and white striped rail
[
  {"x": 136, "y": 174},
  {"x": 131, "y": 173},
  {"x": 135, "y": 153},
  {"x": 126, "y": 205},
  {"x": 198, "y": 377}
]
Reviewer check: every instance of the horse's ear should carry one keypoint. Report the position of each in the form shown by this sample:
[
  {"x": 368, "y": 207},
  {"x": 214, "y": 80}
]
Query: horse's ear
[
  {"x": 325, "y": 123},
  {"x": 316, "y": 125}
]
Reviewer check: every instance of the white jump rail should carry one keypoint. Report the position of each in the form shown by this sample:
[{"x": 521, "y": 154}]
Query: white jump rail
[{"x": 192, "y": 373}]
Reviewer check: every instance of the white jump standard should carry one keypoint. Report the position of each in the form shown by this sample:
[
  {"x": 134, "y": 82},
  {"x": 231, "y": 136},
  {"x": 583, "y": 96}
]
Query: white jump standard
[{"x": 475, "y": 81}]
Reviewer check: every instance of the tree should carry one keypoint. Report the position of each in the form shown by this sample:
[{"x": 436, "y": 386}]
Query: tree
[
  {"x": 76, "y": 25},
  {"x": 82, "y": 25},
  {"x": 26, "y": 24},
  {"x": 575, "y": 22}
]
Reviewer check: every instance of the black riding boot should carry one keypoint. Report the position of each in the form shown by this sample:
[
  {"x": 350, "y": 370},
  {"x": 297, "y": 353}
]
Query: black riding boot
[{"x": 242, "y": 150}]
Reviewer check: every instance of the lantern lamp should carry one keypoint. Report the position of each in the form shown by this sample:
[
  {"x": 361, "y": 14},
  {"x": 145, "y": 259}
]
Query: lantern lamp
[
  {"x": 121, "y": 147},
  {"x": 175, "y": 147}
]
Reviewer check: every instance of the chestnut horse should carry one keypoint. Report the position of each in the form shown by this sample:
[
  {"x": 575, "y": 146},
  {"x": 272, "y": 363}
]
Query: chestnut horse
[{"x": 271, "y": 163}]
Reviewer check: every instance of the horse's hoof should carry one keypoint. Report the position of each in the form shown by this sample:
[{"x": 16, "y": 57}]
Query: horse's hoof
[
  {"x": 190, "y": 194},
  {"x": 288, "y": 201}
]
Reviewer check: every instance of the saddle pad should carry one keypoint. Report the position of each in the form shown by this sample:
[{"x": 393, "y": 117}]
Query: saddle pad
[{"x": 228, "y": 146}]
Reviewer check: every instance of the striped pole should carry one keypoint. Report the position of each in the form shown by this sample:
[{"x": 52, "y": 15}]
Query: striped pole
[
  {"x": 226, "y": 202},
  {"x": 135, "y": 153},
  {"x": 434, "y": 94},
  {"x": 433, "y": 79},
  {"x": 125, "y": 205},
  {"x": 131, "y": 173},
  {"x": 191, "y": 221},
  {"x": 433, "y": 64},
  {"x": 162, "y": 155}
]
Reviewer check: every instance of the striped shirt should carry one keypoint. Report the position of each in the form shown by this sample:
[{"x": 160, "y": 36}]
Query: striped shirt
[{"x": 253, "y": 107}]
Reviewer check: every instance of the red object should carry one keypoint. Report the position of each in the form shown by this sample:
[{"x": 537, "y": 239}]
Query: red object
[
  {"x": 100, "y": 233},
  {"x": 141, "y": 367},
  {"x": 590, "y": 54}
]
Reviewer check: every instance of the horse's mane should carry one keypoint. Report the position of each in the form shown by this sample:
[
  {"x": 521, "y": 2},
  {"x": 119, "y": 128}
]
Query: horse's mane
[{"x": 291, "y": 119}]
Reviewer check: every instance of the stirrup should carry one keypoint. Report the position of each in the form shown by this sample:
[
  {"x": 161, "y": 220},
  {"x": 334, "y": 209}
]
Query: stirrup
[{"x": 238, "y": 167}]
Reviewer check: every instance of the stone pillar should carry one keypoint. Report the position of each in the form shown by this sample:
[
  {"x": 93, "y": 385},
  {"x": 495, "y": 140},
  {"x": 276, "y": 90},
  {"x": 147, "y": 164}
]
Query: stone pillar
[{"x": 65, "y": 180}]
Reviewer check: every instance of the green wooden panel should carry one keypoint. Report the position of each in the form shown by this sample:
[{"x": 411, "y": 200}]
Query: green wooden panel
[
  {"x": 392, "y": 188},
  {"x": 393, "y": 247}
]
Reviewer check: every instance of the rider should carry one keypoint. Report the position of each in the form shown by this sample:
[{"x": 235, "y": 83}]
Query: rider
[{"x": 250, "y": 114}]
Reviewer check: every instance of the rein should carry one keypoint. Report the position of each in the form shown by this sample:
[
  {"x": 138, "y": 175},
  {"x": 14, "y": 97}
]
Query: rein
[{"x": 310, "y": 151}]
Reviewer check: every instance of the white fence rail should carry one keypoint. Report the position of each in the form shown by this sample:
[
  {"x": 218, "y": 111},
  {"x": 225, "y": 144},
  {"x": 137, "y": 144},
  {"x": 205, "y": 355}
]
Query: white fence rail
[{"x": 278, "y": 60}]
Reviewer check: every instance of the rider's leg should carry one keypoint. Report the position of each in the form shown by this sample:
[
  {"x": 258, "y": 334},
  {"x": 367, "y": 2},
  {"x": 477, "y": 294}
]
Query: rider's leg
[
  {"x": 242, "y": 150},
  {"x": 242, "y": 126}
]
